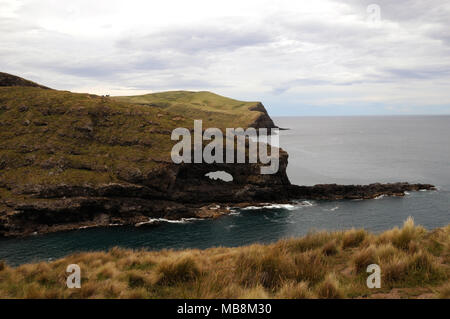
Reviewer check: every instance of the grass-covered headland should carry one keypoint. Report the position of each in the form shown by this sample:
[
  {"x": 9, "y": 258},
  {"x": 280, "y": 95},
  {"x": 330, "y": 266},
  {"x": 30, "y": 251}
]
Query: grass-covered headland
[{"x": 414, "y": 262}]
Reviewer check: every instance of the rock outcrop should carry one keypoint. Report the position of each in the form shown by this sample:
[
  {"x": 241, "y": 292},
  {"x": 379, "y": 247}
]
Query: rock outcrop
[
  {"x": 263, "y": 120},
  {"x": 78, "y": 160},
  {"x": 12, "y": 80}
]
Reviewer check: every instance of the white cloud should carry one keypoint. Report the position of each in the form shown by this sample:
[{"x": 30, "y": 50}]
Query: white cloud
[{"x": 296, "y": 57}]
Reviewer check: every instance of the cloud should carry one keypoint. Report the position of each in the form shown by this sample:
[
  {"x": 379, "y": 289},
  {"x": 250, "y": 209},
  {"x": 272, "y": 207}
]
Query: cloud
[
  {"x": 196, "y": 39},
  {"x": 291, "y": 55}
]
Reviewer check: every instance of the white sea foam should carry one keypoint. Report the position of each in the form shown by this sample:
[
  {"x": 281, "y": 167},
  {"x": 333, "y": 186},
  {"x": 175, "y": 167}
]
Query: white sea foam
[
  {"x": 292, "y": 206},
  {"x": 307, "y": 203},
  {"x": 164, "y": 220},
  {"x": 86, "y": 227}
]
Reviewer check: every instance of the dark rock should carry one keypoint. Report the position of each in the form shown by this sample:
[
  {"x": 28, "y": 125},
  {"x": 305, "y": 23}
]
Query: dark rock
[{"x": 12, "y": 80}]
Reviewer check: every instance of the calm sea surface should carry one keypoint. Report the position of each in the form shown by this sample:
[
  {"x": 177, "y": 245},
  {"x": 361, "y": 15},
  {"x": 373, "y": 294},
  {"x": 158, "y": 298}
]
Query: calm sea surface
[{"x": 344, "y": 150}]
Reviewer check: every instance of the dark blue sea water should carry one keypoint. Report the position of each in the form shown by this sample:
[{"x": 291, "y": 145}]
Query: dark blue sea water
[{"x": 344, "y": 150}]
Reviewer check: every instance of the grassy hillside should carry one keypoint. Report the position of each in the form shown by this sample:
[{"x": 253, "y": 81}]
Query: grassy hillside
[
  {"x": 415, "y": 263},
  {"x": 202, "y": 105},
  {"x": 51, "y": 137},
  {"x": 12, "y": 80},
  {"x": 66, "y": 158}
]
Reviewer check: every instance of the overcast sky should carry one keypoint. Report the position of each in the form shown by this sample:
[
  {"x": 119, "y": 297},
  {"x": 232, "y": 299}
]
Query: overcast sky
[{"x": 321, "y": 57}]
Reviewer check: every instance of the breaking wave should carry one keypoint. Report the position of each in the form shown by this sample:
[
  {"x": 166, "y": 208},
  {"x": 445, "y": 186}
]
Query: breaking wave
[
  {"x": 292, "y": 206},
  {"x": 164, "y": 220}
]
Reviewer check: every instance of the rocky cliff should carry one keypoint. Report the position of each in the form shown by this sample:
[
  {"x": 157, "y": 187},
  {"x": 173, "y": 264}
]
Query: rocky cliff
[
  {"x": 12, "y": 80},
  {"x": 70, "y": 160}
]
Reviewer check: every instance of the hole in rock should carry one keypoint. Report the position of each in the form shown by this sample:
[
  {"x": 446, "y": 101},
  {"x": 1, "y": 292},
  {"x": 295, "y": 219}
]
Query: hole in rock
[{"x": 222, "y": 175}]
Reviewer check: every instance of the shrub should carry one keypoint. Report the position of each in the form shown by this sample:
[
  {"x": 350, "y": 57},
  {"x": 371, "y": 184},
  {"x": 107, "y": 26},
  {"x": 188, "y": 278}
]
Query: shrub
[
  {"x": 404, "y": 238},
  {"x": 118, "y": 252},
  {"x": 268, "y": 269},
  {"x": 353, "y": 238},
  {"x": 364, "y": 258},
  {"x": 88, "y": 289},
  {"x": 257, "y": 292},
  {"x": 405, "y": 235},
  {"x": 330, "y": 248},
  {"x": 295, "y": 290},
  {"x": 386, "y": 252},
  {"x": 329, "y": 288},
  {"x": 136, "y": 279},
  {"x": 309, "y": 242},
  {"x": 444, "y": 292},
  {"x": 138, "y": 293},
  {"x": 2, "y": 265},
  {"x": 421, "y": 262},
  {"x": 309, "y": 266},
  {"x": 394, "y": 271},
  {"x": 183, "y": 270},
  {"x": 107, "y": 271},
  {"x": 422, "y": 268}
]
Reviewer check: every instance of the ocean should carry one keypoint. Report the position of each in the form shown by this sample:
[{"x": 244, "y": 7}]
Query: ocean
[{"x": 322, "y": 150}]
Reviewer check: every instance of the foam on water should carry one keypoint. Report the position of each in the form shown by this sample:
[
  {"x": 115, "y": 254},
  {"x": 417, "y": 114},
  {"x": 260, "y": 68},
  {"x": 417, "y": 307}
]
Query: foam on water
[
  {"x": 293, "y": 206},
  {"x": 164, "y": 220}
]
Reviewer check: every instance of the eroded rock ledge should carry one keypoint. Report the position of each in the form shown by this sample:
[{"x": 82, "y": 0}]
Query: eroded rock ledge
[
  {"x": 71, "y": 160},
  {"x": 119, "y": 205},
  {"x": 171, "y": 192}
]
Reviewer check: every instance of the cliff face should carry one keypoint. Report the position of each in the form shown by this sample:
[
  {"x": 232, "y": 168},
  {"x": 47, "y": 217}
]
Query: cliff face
[
  {"x": 71, "y": 160},
  {"x": 78, "y": 159},
  {"x": 12, "y": 80},
  {"x": 210, "y": 107},
  {"x": 263, "y": 120}
]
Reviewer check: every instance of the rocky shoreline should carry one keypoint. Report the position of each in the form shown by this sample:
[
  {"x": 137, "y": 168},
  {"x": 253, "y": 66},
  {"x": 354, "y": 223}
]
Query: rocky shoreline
[
  {"x": 73, "y": 160},
  {"x": 80, "y": 212}
]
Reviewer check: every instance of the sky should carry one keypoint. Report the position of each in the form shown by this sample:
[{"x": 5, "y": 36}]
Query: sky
[{"x": 322, "y": 57}]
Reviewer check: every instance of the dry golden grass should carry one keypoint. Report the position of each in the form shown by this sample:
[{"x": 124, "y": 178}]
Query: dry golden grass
[
  {"x": 330, "y": 288},
  {"x": 319, "y": 265}
]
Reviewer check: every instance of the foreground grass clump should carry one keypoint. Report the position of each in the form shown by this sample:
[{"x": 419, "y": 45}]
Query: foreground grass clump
[{"x": 414, "y": 262}]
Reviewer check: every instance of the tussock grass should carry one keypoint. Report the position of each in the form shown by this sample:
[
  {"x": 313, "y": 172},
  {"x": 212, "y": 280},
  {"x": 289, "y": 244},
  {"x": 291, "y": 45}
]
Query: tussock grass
[
  {"x": 353, "y": 238},
  {"x": 444, "y": 291},
  {"x": 329, "y": 288},
  {"x": 319, "y": 265},
  {"x": 295, "y": 290},
  {"x": 179, "y": 271},
  {"x": 330, "y": 249},
  {"x": 404, "y": 238},
  {"x": 364, "y": 258},
  {"x": 254, "y": 267}
]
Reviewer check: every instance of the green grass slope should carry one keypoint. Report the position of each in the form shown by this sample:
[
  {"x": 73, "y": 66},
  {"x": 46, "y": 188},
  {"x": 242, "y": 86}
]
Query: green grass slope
[
  {"x": 59, "y": 137},
  {"x": 210, "y": 107},
  {"x": 7, "y": 79}
]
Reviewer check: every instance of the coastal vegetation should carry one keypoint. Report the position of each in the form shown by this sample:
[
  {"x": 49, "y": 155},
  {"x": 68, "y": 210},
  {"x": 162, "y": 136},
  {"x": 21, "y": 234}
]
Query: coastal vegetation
[
  {"x": 69, "y": 160},
  {"x": 414, "y": 262},
  {"x": 215, "y": 110}
]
